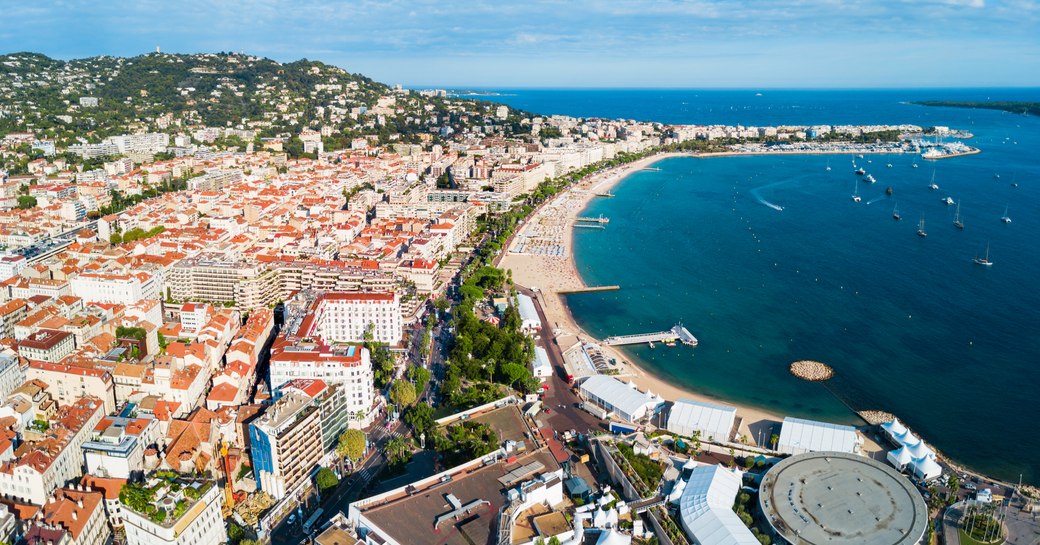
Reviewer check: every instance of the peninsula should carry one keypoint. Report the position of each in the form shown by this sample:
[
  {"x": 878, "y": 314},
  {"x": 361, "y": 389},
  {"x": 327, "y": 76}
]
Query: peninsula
[{"x": 1015, "y": 107}]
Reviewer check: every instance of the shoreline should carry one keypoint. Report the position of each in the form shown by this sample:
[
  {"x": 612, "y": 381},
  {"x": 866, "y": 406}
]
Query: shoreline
[{"x": 548, "y": 275}]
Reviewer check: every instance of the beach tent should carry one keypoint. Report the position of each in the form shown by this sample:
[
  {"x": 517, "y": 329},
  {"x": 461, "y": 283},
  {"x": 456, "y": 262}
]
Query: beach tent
[
  {"x": 908, "y": 438},
  {"x": 894, "y": 428},
  {"x": 920, "y": 450},
  {"x": 613, "y": 537},
  {"x": 900, "y": 457},
  {"x": 926, "y": 468}
]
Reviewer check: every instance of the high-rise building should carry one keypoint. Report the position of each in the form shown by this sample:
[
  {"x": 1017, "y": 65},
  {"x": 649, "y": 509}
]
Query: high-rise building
[{"x": 286, "y": 444}]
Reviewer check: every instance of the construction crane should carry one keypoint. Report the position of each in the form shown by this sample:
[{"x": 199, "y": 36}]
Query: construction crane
[{"x": 229, "y": 493}]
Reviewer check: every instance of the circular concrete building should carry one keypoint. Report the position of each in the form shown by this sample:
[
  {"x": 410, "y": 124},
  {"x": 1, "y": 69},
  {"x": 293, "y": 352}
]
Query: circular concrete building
[{"x": 836, "y": 498}]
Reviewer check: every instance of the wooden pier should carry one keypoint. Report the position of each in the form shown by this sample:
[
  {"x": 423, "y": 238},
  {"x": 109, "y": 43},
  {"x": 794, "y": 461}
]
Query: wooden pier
[
  {"x": 588, "y": 289},
  {"x": 600, "y": 219},
  {"x": 676, "y": 333}
]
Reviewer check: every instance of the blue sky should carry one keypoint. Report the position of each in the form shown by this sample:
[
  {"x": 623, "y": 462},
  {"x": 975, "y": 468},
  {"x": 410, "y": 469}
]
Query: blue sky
[{"x": 576, "y": 43}]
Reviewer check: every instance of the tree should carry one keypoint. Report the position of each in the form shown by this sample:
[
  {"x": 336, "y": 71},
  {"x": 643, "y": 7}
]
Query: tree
[
  {"x": 351, "y": 445},
  {"x": 397, "y": 450},
  {"x": 402, "y": 393},
  {"x": 418, "y": 375},
  {"x": 326, "y": 479},
  {"x": 773, "y": 440},
  {"x": 419, "y": 417},
  {"x": 26, "y": 202}
]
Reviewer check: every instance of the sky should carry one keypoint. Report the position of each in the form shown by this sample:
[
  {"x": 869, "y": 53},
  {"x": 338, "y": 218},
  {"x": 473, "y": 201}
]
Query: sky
[{"x": 576, "y": 43}]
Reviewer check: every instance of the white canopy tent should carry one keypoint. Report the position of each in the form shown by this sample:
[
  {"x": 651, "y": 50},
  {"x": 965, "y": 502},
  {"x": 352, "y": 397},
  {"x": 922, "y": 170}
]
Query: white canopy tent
[
  {"x": 706, "y": 508},
  {"x": 900, "y": 457},
  {"x": 894, "y": 428},
  {"x": 712, "y": 421},
  {"x": 926, "y": 468}
]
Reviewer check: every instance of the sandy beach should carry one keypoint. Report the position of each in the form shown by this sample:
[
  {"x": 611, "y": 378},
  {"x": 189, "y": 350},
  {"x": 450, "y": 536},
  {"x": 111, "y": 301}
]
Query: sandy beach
[{"x": 541, "y": 258}]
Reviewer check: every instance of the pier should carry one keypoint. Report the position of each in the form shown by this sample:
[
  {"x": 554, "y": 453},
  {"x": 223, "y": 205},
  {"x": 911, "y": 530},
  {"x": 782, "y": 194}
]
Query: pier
[
  {"x": 606, "y": 194},
  {"x": 587, "y": 226},
  {"x": 600, "y": 219},
  {"x": 676, "y": 333},
  {"x": 590, "y": 289}
]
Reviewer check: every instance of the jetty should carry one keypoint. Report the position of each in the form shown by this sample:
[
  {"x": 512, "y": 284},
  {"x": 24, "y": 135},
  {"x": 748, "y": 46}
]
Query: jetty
[
  {"x": 588, "y": 289},
  {"x": 600, "y": 219},
  {"x": 588, "y": 226},
  {"x": 652, "y": 169},
  {"x": 605, "y": 194},
  {"x": 676, "y": 333}
]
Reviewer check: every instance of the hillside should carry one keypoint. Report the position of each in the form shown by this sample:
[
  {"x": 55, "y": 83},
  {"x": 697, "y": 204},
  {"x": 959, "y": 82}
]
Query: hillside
[{"x": 154, "y": 91}]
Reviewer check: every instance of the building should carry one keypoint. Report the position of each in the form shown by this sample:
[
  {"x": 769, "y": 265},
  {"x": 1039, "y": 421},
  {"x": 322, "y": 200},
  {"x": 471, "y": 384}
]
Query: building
[
  {"x": 217, "y": 279},
  {"x": 117, "y": 444},
  {"x": 706, "y": 507},
  {"x": 541, "y": 368},
  {"x": 7, "y": 524},
  {"x": 798, "y": 436},
  {"x": 870, "y": 503},
  {"x": 53, "y": 457},
  {"x": 123, "y": 289},
  {"x": 11, "y": 265},
  {"x": 192, "y": 513},
  {"x": 348, "y": 366},
  {"x": 69, "y": 383},
  {"x": 350, "y": 317},
  {"x": 623, "y": 400},
  {"x": 48, "y": 345},
  {"x": 77, "y": 514},
  {"x": 11, "y": 313},
  {"x": 712, "y": 422},
  {"x": 529, "y": 320},
  {"x": 331, "y": 402},
  {"x": 11, "y": 374},
  {"x": 286, "y": 445}
]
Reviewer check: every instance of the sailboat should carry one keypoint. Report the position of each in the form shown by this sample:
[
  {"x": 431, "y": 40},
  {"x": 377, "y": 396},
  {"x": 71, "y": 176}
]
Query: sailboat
[
  {"x": 933, "y": 185},
  {"x": 984, "y": 261},
  {"x": 828, "y": 164},
  {"x": 1006, "y": 218},
  {"x": 855, "y": 194},
  {"x": 895, "y": 212},
  {"x": 957, "y": 218},
  {"x": 914, "y": 165},
  {"x": 920, "y": 228}
]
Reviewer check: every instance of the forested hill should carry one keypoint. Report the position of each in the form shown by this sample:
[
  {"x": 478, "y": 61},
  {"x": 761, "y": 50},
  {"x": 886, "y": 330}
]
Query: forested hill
[
  {"x": 210, "y": 89},
  {"x": 1030, "y": 108},
  {"x": 146, "y": 92}
]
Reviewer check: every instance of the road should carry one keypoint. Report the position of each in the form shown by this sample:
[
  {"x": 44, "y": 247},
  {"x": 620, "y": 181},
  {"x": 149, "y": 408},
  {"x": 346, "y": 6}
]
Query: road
[{"x": 561, "y": 402}]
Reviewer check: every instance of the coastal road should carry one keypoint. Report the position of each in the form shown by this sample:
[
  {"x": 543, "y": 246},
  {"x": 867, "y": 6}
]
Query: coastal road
[{"x": 559, "y": 399}]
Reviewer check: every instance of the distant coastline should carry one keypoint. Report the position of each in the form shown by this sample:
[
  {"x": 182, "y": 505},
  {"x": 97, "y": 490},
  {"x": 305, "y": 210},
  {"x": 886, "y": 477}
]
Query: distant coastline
[{"x": 1014, "y": 107}]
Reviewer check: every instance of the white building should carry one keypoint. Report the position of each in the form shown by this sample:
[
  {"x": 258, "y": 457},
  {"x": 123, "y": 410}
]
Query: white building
[
  {"x": 798, "y": 436},
  {"x": 200, "y": 523},
  {"x": 116, "y": 446},
  {"x": 11, "y": 374},
  {"x": 706, "y": 508},
  {"x": 346, "y": 317},
  {"x": 528, "y": 315},
  {"x": 123, "y": 289},
  {"x": 540, "y": 367},
  {"x": 623, "y": 400},
  {"x": 713, "y": 422},
  {"x": 349, "y": 366},
  {"x": 11, "y": 265}
]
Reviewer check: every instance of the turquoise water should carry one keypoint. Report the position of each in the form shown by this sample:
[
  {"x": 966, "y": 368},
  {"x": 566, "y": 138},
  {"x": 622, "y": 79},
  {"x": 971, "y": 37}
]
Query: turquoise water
[{"x": 910, "y": 324}]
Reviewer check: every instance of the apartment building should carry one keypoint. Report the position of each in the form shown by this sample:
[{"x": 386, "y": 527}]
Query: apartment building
[
  {"x": 123, "y": 289},
  {"x": 331, "y": 400},
  {"x": 218, "y": 279},
  {"x": 11, "y": 313},
  {"x": 73, "y": 516},
  {"x": 191, "y": 515},
  {"x": 52, "y": 457},
  {"x": 117, "y": 444},
  {"x": 69, "y": 383},
  {"x": 351, "y": 317},
  {"x": 286, "y": 444},
  {"x": 11, "y": 373},
  {"x": 48, "y": 345}
]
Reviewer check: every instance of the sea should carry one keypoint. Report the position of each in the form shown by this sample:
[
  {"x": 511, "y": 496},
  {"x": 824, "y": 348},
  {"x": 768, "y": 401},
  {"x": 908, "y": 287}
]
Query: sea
[{"x": 910, "y": 324}]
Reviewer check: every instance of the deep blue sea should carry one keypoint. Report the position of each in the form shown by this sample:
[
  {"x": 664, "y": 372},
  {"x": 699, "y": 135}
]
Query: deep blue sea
[{"x": 910, "y": 324}]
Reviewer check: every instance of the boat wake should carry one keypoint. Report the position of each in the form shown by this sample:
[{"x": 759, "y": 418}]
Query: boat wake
[
  {"x": 874, "y": 200},
  {"x": 759, "y": 198}
]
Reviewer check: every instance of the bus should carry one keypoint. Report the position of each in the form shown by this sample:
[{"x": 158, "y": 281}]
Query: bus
[{"x": 312, "y": 520}]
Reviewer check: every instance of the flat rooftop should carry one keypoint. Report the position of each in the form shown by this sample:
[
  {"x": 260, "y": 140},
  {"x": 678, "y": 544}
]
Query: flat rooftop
[
  {"x": 507, "y": 422},
  {"x": 837, "y": 498},
  {"x": 411, "y": 518}
]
